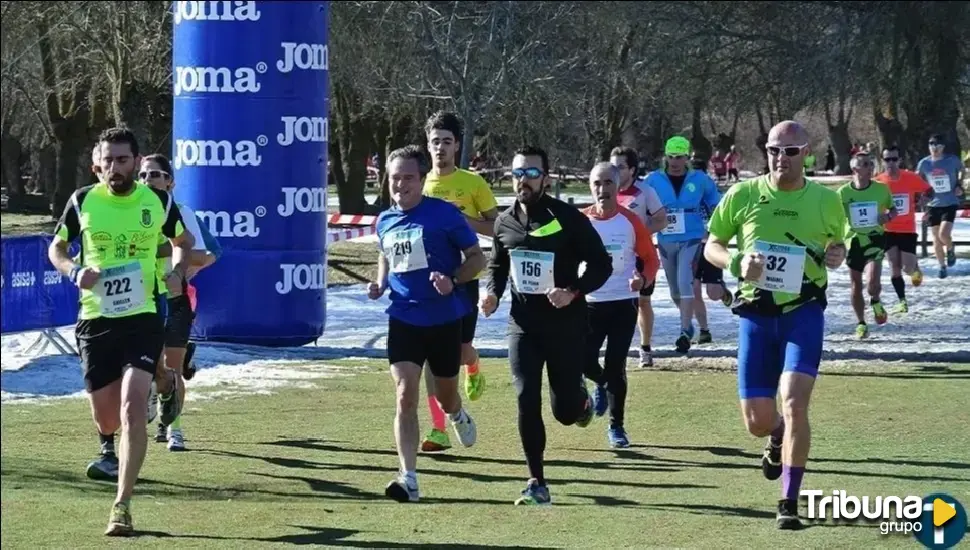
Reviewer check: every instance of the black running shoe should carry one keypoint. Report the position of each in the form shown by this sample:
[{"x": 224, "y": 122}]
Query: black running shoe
[
  {"x": 683, "y": 342},
  {"x": 771, "y": 461},
  {"x": 787, "y": 517}
]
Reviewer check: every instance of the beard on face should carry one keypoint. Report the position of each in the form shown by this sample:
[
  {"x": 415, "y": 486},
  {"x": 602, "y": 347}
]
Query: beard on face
[
  {"x": 120, "y": 183},
  {"x": 528, "y": 196}
]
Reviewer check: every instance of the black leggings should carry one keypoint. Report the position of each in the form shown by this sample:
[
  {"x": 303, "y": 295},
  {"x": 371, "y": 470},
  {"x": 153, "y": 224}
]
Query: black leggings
[
  {"x": 615, "y": 323},
  {"x": 561, "y": 351}
]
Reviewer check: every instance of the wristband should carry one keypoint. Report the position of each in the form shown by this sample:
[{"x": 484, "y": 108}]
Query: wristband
[
  {"x": 735, "y": 264},
  {"x": 74, "y": 273},
  {"x": 454, "y": 280}
]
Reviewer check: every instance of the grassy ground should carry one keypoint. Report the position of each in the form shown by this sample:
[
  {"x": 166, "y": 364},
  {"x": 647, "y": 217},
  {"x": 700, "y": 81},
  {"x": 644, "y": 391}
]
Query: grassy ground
[{"x": 308, "y": 467}]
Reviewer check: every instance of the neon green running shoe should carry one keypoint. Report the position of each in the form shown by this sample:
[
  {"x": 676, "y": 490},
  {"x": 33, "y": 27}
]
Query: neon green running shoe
[
  {"x": 436, "y": 442},
  {"x": 474, "y": 386},
  {"x": 119, "y": 523}
]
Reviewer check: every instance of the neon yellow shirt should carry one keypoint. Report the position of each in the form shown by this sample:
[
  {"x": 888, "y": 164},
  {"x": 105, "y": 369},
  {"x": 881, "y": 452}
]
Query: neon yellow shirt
[
  {"x": 863, "y": 207},
  {"x": 119, "y": 237},
  {"x": 464, "y": 189},
  {"x": 791, "y": 229}
]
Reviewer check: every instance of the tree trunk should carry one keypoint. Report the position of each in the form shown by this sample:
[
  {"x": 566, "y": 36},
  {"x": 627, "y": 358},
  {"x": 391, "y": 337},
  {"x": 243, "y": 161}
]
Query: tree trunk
[
  {"x": 700, "y": 143},
  {"x": 353, "y": 140},
  {"x": 842, "y": 145}
]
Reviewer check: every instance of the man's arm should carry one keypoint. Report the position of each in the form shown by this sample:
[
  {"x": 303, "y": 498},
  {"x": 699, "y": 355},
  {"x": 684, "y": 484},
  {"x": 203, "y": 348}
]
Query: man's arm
[
  {"x": 484, "y": 225},
  {"x": 68, "y": 228},
  {"x": 382, "y": 271},
  {"x": 164, "y": 250},
  {"x": 498, "y": 265},
  {"x": 657, "y": 221},
  {"x": 599, "y": 264},
  {"x": 473, "y": 265},
  {"x": 716, "y": 251}
]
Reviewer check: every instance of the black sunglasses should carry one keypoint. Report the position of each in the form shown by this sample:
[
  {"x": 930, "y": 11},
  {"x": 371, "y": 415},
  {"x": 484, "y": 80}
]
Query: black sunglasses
[
  {"x": 526, "y": 173},
  {"x": 791, "y": 151},
  {"x": 890, "y": 159}
]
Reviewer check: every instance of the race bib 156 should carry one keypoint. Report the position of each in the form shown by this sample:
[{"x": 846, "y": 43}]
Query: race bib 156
[{"x": 532, "y": 272}]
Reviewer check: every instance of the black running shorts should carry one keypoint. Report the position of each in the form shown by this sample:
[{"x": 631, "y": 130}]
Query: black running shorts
[
  {"x": 470, "y": 321},
  {"x": 905, "y": 242},
  {"x": 107, "y": 346},
  {"x": 865, "y": 249},
  {"x": 936, "y": 215},
  {"x": 439, "y": 346}
]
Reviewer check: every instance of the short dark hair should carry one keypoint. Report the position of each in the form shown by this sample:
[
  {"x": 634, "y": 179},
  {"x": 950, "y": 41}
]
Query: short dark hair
[
  {"x": 445, "y": 120},
  {"x": 162, "y": 161},
  {"x": 894, "y": 148},
  {"x": 533, "y": 151},
  {"x": 938, "y": 138},
  {"x": 117, "y": 135},
  {"x": 632, "y": 159},
  {"x": 412, "y": 152}
]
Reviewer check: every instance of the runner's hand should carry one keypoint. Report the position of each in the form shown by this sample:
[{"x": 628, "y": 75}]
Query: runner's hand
[
  {"x": 636, "y": 282},
  {"x": 488, "y": 305},
  {"x": 442, "y": 283},
  {"x": 834, "y": 255},
  {"x": 560, "y": 297},
  {"x": 752, "y": 266},
  {"x": 374, "y": 291},
  {"x": 87, "y": 278}
]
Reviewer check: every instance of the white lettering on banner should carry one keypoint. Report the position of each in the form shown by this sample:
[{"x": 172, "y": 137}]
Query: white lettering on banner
[
  {"x": 218, "y": 79},
  {"x": 314, "y": 57},
  {"x": 216, "y": 11},
  {"x": 242, "y": 224},
  {"x": 22, "y": 278},
  {"x": 301, "y": 277},
  {"x": 52, "y": 277},
  {"x": 203, "y": 152},
  {"x": 302, "y": 199},
  {"x": 304, "y": 129}
]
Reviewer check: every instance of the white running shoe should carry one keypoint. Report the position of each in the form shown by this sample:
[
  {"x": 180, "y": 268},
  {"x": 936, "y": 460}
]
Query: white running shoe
[
  {"x": 175, "y": 441},
  {"x": 465, "y": 429},
  {"x": 402, "y": 491}
]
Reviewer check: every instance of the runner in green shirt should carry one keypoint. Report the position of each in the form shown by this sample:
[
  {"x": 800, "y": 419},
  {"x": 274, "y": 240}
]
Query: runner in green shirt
[
  {"x": 119, "y": 333},
  {"x": 868, "y": 207},
  {"x": 788, "y": 231}
]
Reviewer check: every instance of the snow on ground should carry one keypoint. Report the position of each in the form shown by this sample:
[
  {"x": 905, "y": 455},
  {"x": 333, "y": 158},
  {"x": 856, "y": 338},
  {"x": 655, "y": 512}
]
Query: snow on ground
[{"x": 936, "y": 329}]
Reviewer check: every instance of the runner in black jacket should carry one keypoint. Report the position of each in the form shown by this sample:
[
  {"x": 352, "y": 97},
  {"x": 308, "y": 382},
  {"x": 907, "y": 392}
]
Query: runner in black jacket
[{"x": 541, "y": 242}]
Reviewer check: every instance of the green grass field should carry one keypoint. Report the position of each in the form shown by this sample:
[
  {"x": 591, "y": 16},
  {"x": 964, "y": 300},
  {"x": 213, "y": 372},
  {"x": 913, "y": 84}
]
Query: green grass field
[{"x": 308, "y": 466}]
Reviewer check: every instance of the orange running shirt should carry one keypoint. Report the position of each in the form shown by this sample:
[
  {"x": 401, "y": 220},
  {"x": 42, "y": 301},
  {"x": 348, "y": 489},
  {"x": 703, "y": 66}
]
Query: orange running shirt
[{"x": 904, "y": 191}]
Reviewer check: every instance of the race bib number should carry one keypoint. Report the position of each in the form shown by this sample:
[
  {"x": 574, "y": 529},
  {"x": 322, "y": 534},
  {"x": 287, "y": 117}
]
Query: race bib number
[
  {"x": 901, "y": 202},
  {"x": 675, "y": 223},
  {"x": 784, "y": 267},
  {"x": 532, "y": 271},
  {"x": 863, "y": 214},
  {"x": 121, "y": 289},
  {"x": 940, "y": 183},
  {"x": 405, "y": 250}
]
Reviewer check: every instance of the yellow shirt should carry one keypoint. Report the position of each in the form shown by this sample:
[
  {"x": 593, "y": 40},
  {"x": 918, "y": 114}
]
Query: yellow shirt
[{"x": 464, "y": 189}]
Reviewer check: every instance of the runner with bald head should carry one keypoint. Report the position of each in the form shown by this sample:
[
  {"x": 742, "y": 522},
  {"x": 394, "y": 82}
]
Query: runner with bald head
[{"x": 788, "y": 231}]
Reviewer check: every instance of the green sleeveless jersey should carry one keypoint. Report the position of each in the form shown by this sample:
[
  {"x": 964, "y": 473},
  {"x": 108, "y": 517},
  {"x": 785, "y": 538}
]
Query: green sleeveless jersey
[
  {"x": 791, "y": 229},
  {"x": 119, "y": 237}
]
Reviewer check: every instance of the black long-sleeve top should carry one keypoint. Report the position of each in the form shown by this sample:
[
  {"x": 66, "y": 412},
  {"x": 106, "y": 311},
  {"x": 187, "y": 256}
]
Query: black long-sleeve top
[{"x": 549, "y": 225}]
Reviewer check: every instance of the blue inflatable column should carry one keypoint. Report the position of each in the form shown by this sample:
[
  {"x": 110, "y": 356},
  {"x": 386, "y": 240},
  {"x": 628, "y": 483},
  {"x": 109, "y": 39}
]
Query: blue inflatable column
[{"x": 250, "y": 133}]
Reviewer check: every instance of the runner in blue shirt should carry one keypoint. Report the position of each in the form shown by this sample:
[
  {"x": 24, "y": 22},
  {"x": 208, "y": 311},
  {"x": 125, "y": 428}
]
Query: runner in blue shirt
[
  {"x": 422, "y": 240},
  {"x": 684, "y": 193},
  {"x": 942, "y": 172}
]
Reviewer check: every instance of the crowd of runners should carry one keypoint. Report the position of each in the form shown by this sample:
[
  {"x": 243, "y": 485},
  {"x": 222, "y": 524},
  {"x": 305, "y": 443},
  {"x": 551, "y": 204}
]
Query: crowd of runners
[{"x": 577, "y": 279}]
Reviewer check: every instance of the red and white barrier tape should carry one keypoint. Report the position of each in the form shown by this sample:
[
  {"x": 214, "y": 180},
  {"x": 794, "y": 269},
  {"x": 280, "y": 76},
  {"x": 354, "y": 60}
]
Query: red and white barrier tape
[
  {"x": 351, "y": 219},
  {"x": 337, "y": 235}
]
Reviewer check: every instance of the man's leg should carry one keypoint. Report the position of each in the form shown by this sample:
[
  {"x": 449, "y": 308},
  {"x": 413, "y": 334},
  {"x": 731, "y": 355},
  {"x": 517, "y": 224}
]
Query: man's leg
[
  {"x": 474, "y": 379},
  {"x": 571, "y": 403},
  {"x": 700, "y": 313},
  {"x": 166, "y": 382},
  {"x": 621, "y": 327},
  {"x": 759, "y": 369},
  {"x": 444, "y": 361},
  {"x": 684, "y": 265},
  {"x": 874, "y": 287},
  {"x": 803, "y": 331},
  {"x": 407, "y": 379},
  {"x": 645, "y": 324},
  {"x": 406, "y": 352},
  {"x": 437, "y": 439},
  {"x": 946, "y": 236},
  {"x": 598, "y": 325},
  {"x": 178, "y": 325},
  {"x": 105, "y": 406},
  {"x": 526, "y": 360},
  {"x": 858, "y": 302},
  {"x": 938, "y": 250},
  {"x": 894, "y": 255}
]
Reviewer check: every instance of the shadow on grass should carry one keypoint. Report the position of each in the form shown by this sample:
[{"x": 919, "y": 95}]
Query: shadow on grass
[
  {"x": 739, "y": 511},
  {"x": 328, "y": 536},
  {"x": 634, "y": 454}
]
